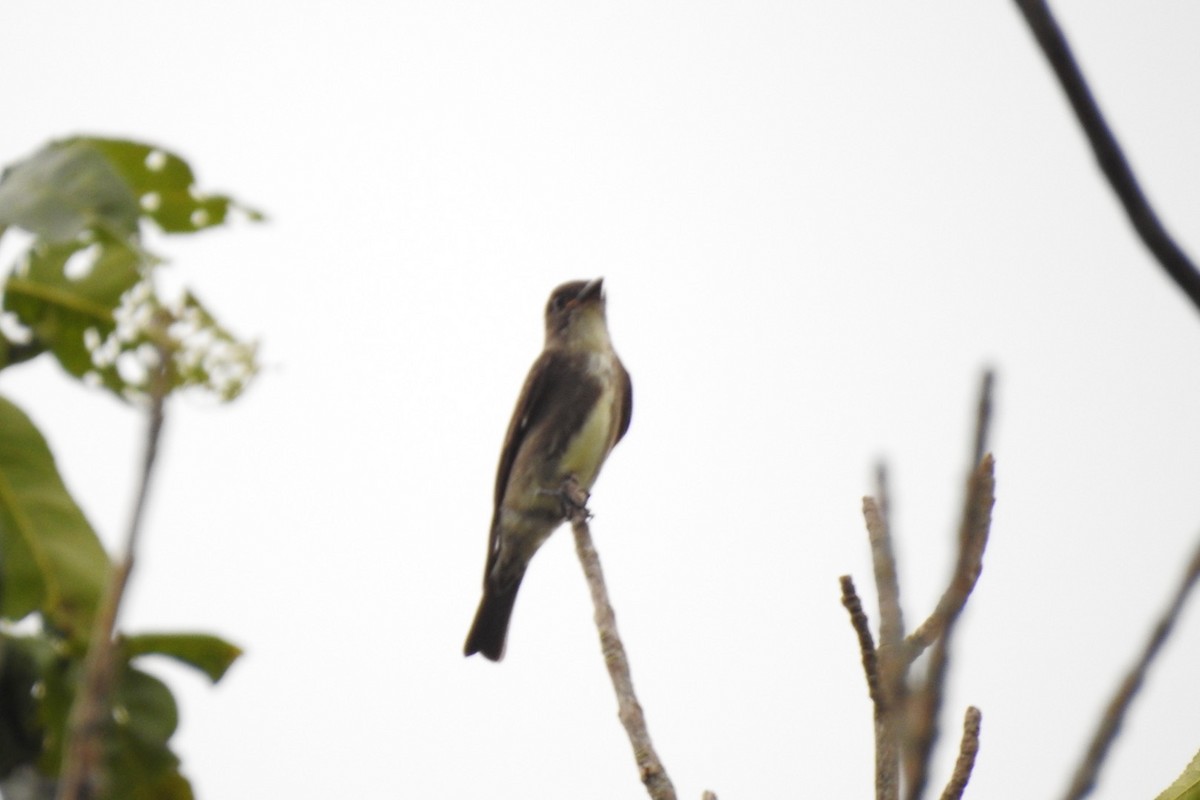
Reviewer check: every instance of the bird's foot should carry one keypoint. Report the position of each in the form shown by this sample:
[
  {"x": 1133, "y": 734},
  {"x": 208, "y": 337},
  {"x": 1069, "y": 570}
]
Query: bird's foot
[{"x": 574, "y": 499}]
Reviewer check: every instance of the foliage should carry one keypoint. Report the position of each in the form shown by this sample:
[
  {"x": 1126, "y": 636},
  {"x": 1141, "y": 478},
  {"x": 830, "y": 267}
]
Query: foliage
[
  {"x": 83, "y": 292},
  {"x": 1187, "y": 785}
]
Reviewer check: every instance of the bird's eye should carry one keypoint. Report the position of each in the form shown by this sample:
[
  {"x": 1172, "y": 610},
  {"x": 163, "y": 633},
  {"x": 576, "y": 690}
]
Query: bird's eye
[{"x": 559, "y": 302}]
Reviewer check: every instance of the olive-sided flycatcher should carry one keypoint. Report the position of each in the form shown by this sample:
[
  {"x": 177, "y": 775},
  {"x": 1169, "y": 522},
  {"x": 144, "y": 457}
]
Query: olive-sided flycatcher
[{"x": 574, "y": 408}]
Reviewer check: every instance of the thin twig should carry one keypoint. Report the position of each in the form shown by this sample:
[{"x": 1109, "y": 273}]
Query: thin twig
[
  {"x": 883, "y": 559},
  {"x": 1108, "y": 153},
  {"x": 883, "y": 496},
  {"x": 866, "y": 643},
  {"x": 82, "y": 771},
  {"x": 892, "y": 667},
  {"x": 973, "y": 535},
  {"x": 650, "y": 768},
  {"x": 967, "y": 749},
  {"x": 983, "y": 417},
  {"x": 1110, "y": 725},
  {"x": 906, "y": 718}
]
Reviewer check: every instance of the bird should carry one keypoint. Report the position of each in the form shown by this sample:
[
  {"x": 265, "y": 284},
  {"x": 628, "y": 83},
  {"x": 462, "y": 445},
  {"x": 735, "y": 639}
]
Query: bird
[{"x": 574, "y": 407}]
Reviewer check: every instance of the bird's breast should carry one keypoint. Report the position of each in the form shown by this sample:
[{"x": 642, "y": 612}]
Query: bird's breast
[{"x": 587, "y": 449}]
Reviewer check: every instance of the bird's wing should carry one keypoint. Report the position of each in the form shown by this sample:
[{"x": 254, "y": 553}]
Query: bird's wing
[
  {"x": 626, "y": 405},
  {"x": 530, "y": 408}
]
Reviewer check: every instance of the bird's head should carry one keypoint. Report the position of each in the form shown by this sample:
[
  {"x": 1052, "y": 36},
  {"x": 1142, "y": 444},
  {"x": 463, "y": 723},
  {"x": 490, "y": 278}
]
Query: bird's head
[{"x": 575, "y": 316}]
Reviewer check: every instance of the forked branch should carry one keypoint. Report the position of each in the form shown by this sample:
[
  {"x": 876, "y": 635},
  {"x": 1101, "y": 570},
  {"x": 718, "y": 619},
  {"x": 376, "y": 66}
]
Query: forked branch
[{"x": 905, "y": 715}]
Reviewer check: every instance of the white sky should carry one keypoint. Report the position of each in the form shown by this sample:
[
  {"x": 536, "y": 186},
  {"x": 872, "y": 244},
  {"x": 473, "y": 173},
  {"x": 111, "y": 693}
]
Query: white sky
[{"x": 817, "y": 223}]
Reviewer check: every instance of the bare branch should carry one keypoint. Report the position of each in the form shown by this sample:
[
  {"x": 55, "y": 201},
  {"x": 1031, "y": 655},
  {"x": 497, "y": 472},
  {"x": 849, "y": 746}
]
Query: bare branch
[
  {"x": 906, "y": 718},
  {"x": 967, "y": 749},
  {"x": 1108, "y": 153},
  {"x": 82, "y": 771},
  {"x": 883, "y": 497},
  {"x": 1106, "y": 733},
  {"x": 866, "y": 643},
  {"x": 973, "y": 535},
  {"x": 973, "y": 532},
  {"x": 883, "y": 559},
  {"x": 973, "y": 538},
  {"x": 650, "y": 768},
  {"x": 983, "y": 417},
  {"x": 891, "y": 664}
]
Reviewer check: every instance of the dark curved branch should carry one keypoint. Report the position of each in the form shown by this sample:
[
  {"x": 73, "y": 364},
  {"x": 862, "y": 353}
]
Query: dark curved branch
[{"x": 1112, "y": 160}]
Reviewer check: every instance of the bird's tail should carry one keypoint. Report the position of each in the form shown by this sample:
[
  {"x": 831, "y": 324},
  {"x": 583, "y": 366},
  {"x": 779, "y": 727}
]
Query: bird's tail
[{"x": 490, "y": 628}]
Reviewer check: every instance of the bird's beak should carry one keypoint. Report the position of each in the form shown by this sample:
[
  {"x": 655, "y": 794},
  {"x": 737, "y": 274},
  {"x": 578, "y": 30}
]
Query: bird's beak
[{"x": 594, "y": 290}]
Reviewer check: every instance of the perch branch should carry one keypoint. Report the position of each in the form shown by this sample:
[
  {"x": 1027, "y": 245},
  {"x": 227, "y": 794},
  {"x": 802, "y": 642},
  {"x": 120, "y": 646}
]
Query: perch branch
[
  {"x": 1108, "y": 153},
  {"x": 1085, "y": 775},
  {"x": 650, "y": 768}
]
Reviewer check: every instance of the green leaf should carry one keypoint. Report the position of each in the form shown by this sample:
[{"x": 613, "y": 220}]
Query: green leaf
[
  {"x": 167, "y": 785},
  {"x": 52, "y": 560},
  {"x": 140, "y": 764},
  {"x": 21, "y": 732},
  {"x": 165, "y": 186},
  {"x": 65, "y": 188},
  {"x": 60, "y": 309},
  {"x": 138, "y": 761},
  {"x": 209, "y": 654},
  {"x": 85, "y": 290},
  {"x": 1187, "y": 785},
  {"x": 93, "y": 183},
  {"x": 58, "y": 669},
  {"x": 144, "y": 709}
]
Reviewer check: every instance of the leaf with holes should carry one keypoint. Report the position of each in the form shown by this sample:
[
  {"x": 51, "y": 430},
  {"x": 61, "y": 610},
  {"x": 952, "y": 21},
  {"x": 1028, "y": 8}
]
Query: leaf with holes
[
  {"x": 53, "y": 562},
  {"x": 92, "y": 183},
  {"x": 60, "y": 307},
  {"x": 166, "y": 187},
  {"x": 64, "y": 189}
]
